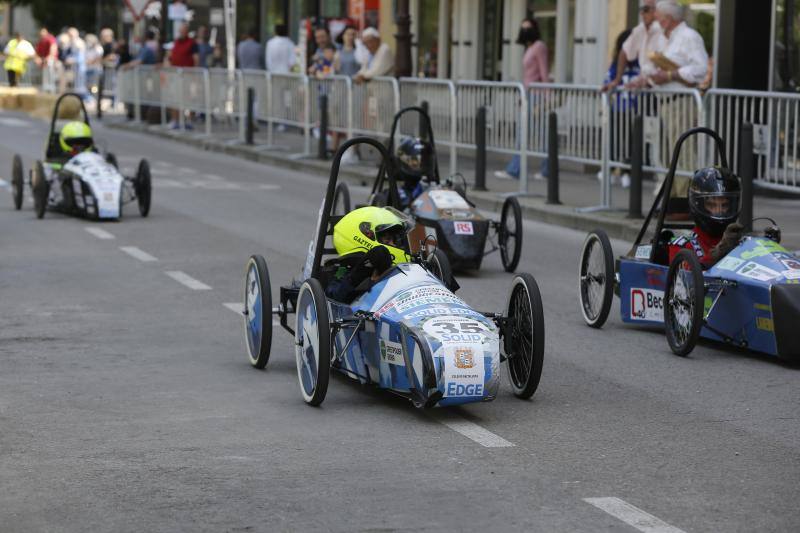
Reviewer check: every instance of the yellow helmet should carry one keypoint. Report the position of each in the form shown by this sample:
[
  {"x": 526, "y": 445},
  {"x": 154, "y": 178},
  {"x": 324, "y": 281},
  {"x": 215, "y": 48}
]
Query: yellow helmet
[
  {"x": 367, "y": 227},
  {"x": 75, "y": 137}
]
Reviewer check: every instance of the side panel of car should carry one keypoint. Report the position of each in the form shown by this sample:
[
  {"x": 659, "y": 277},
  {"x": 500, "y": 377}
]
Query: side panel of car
[
  {"x": 641, "y": 291},
  {"x": 743, "y": 314}
]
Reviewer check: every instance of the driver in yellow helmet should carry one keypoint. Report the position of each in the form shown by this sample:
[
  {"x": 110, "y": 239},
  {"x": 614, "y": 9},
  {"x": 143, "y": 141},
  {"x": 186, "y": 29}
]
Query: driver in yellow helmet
[
  {"x": 370, "y": 241},
  {"x": 75, "y": 137}
]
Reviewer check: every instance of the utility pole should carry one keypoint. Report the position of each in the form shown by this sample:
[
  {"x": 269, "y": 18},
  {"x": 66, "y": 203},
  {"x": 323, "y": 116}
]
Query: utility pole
[{"x": 402, "y": 64}]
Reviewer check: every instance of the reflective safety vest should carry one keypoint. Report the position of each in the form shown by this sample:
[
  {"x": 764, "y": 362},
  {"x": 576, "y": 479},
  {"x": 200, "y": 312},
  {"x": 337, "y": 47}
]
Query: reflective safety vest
[{"x": 15, "y": 61}]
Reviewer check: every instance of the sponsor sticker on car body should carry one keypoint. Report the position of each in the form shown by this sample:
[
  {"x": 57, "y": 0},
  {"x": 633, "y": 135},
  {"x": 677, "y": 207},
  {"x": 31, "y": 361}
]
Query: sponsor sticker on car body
[
  {"x": 730, "y": 263},
  {"x": 463, "y": 370},
  {"x": 647, "y": 304},
  {"x": 392, "y": 352},
  {"x": 463, "y": 228},
  {"x": 758, "y": 272}
]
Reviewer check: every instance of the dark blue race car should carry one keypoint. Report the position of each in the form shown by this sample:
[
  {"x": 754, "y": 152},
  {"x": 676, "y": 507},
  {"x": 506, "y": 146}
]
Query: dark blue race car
[{"x": 750, "y": 298}]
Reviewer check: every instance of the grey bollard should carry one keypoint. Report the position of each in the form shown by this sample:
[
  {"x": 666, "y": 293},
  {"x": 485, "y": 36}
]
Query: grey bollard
[
  {"x": 423, "y": 124},
  {"x": 322, "y": 151},
  {"x": 480, "y": 150},
  {"x": 552, "y": 159},
  {"x": 249, "y": 125},
  {"x": 637, "y": 172}
]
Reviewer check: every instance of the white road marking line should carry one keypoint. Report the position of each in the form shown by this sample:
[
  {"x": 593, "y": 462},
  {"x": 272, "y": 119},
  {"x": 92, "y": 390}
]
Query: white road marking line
[
  {"x": 633, "y": 516},
  {"x": 269, "y": 187},
  {"x": 185, "y": 279},
  {"x": 3, "y": 183},
  {"x": 472, "y": 431},
  {"x": 100, "y": 233},
  {"x": 214, "y": 177},
  {"x": 14, "y": 122},
  {"x": 138, "y": 253},
  {"x": 238, "y": 308}
]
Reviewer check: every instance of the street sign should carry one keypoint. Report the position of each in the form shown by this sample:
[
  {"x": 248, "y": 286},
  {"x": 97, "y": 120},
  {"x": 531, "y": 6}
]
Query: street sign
[{"x": 137, "y": 7}]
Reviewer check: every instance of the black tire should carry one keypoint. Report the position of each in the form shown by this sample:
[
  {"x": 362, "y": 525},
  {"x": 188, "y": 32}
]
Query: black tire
[
  {"x": 111, "y": 159},
  {"x": 17, "y": 182},
  {"x": 523, "y": 341},
  {"x": 684, "y": 300},
  {"x": 143, "y": 187},
  {"x": 596, "y": 278},
  {"x": 510, "y": 234},
  {"x": 341, "y": 199},
  {"x": 439, "y": 265},
  {"x": 257, "y": 311},
  {"x": 313, "y": 324},
  {"x": 40, "y": 188}
]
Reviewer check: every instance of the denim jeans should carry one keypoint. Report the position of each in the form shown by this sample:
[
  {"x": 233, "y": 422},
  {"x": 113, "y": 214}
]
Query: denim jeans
[{"x": 513, "y": 167}]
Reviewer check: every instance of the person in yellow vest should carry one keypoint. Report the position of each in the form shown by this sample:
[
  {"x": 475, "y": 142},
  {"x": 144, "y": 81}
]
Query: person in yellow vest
[{"x": 17, "y": 53}]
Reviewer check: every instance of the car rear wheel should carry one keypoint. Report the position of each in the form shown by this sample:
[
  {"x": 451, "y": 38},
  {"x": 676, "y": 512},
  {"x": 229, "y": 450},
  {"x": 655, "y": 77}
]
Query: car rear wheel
[
  {"x": 341, "y": 199},
  {"x": 41, "y": 189},
  {"x": 257, "y": 311},
  {"x": 143, "y": 187},
  {"x": 596, "y": 278},
  {"x": 684, "y": 302},
  {"x": 523, "y": 341},
  {"x": 17, "y": 182},
  {"x": 510, "y": 234},
  {"x": 312, "y": 342}
]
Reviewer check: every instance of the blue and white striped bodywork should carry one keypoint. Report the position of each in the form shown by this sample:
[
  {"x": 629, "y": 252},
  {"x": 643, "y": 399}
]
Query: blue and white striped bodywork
[{"x": 424, "y": 339}]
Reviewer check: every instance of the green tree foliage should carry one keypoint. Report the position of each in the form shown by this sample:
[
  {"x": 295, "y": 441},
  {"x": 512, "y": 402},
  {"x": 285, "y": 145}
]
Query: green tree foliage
[{"x": 59, "y": 14}]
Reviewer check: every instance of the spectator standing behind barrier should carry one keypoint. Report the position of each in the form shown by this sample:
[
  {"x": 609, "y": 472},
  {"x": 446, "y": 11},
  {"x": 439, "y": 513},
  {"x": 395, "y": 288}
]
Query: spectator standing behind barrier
[
  {"x": 346, "y": 62},
  {"x": 47, "y": 59},
  {"x": 683, "y": 63},
  {"x": 380, "y": 61},
  {"x": 645, "y": 39},
  {"x": 17, "y": 53},
  {"x": 182, "y": 54},
  {"x": 147, "y": 52},
  {"x": 322, "y": 38},
  {"x": 94, "y": 63},
  {"x": 535, "y": 69},
  {"x": 621, "y": 105},
  {"x": 280, "y": 55},
  {"x": 76, "y": 60},
  {"x": 204, "y": 48},
  {"x": 249, "y": 53}
]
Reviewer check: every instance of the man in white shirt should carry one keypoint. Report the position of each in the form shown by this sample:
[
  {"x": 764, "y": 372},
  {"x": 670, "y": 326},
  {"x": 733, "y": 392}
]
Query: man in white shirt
[
  {"x": 685, "y": 48},
  {"x": 645, "y": 38},
  {"x": 280, "y": 56},
  {"x": 381, "y": 59},
  {"x": 687, "y": 51}
]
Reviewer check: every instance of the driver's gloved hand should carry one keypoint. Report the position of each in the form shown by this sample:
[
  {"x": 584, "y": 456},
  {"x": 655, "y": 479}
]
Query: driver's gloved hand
[
  {"x": 379, "y": 259},
  {"x": 730, "y": 240}
]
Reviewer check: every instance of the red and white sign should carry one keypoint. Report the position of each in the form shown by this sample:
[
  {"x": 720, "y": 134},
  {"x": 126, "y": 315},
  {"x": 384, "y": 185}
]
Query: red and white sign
[
  {"x": 137, "y": 7},
  {"x": 464, "y": 228},
  {"x": 647, "y": 304}
]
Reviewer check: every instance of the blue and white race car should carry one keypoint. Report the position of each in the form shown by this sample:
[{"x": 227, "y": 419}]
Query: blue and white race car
[
  {"x": 750, "y": 298},
  {"x": 409, "y": 334},
  {"x": 88, "y": 184}
]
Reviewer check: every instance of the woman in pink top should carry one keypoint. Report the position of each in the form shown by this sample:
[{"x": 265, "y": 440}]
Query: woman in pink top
[{"x": 535, "y": 69}]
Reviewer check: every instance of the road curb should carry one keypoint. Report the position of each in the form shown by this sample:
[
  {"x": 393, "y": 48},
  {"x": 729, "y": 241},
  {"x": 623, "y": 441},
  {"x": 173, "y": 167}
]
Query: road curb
[{"x": 533, "y": 208}]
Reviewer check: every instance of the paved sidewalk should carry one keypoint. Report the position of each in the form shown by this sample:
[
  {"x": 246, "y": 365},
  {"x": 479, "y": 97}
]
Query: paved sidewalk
[{"x": 579, "y": 186}]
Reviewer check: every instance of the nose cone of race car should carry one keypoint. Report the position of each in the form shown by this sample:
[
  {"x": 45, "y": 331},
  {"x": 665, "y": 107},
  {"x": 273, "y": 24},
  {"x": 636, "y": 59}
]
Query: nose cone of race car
[
  {"x": 463, "y": 241},
  {"x": 785, "y": 312},
  {"x": 466, "y": 354}
]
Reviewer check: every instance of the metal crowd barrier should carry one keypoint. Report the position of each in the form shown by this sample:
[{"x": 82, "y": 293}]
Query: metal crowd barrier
[
  {"x": 506, "y": 131},
  {"x": 375, "y": 104},
  {"x": 440, "y": 96},
  {"x": 593, "y": 127},
  {"x": 775, "y": 118}
]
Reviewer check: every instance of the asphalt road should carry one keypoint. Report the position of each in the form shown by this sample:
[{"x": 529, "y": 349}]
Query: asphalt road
[{"x": 127, "y": 402}]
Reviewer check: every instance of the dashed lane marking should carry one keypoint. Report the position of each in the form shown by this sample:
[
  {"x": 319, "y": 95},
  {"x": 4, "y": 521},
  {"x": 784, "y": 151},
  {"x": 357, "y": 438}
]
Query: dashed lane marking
[
  {"x": 13, "y": 122},
  {"x": 3, "y": 183},
  {"x": 188, "y": 281},
  {"x": 138, "y": 253},
  {"x": 238, "y": 308},
  {"x": 472, "y": 431},
  {"x": 632, "y": 515},
  {"x": 100, "y": 233}
]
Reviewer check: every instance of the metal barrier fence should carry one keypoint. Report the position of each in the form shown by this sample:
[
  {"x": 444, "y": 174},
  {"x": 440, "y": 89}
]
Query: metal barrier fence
[
  {"x": 440, "y": 96},
  {"x": 775, "y": 118},
  {"x": 593, "y": 127}
]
